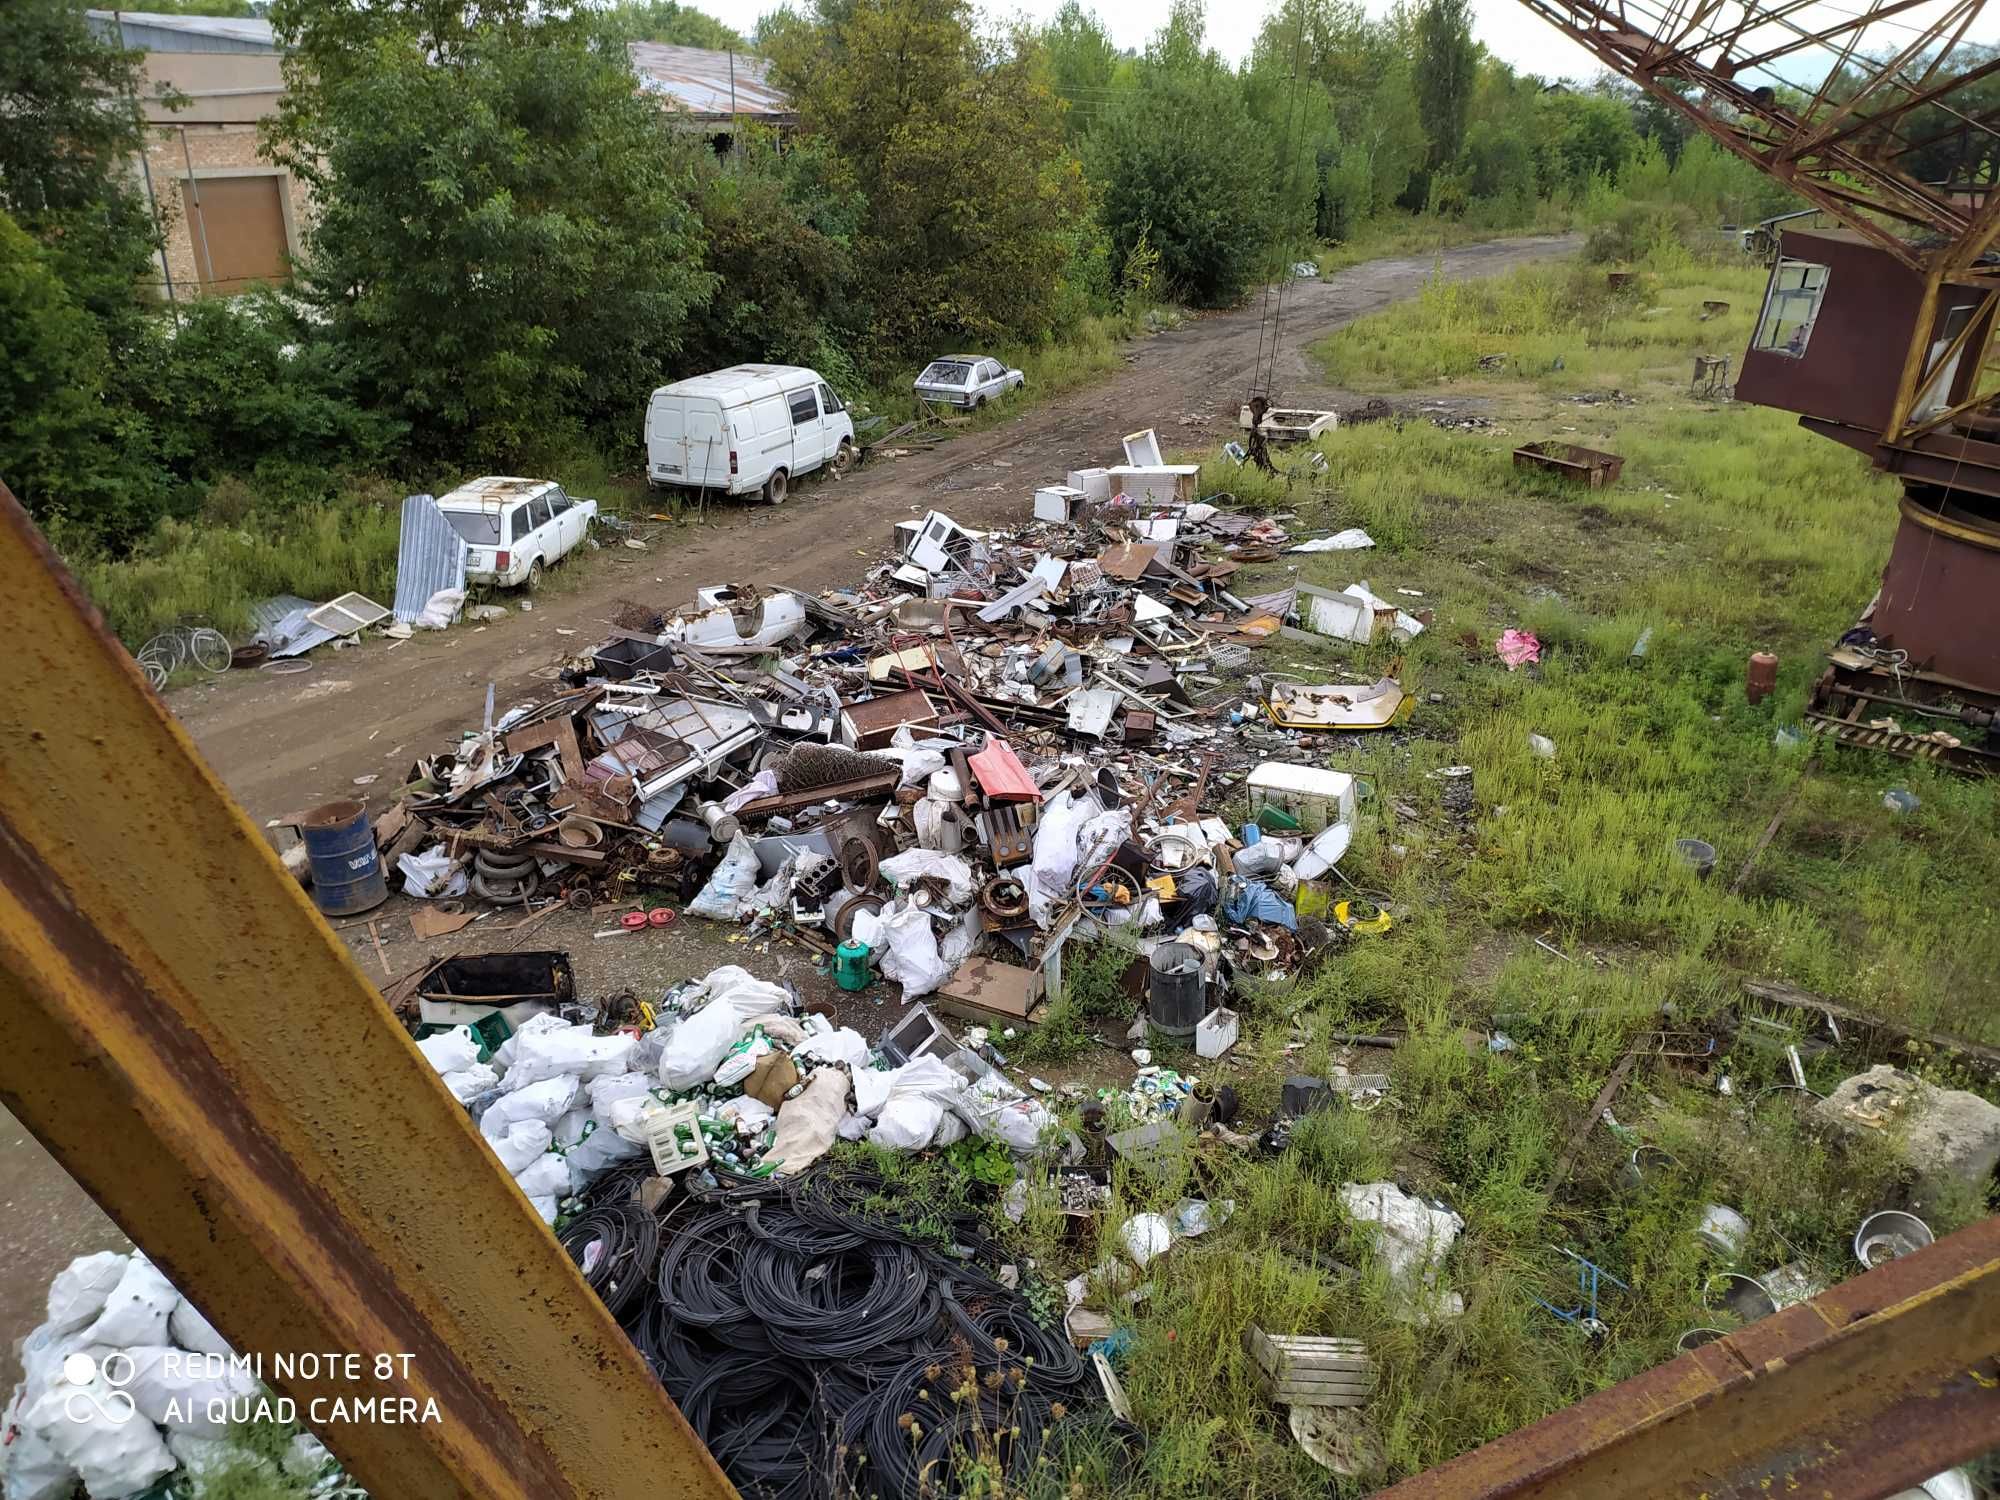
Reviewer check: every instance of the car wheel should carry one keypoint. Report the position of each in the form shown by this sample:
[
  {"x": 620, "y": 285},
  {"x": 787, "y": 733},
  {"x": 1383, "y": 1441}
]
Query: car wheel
[
  {"x": 980, "y": 404},
  {"x": 843, "y": 458},
  {"x": 776, "y": 486},
  {"x": 535, "y": 575}
]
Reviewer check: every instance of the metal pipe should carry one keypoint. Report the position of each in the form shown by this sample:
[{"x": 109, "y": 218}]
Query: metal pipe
[{"x": 201, "y": 219}]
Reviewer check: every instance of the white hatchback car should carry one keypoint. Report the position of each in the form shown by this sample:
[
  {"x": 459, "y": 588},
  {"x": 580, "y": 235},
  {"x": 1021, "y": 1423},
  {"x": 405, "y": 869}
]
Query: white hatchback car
[
  {"x": 515, "y": 529},
  {"x": 966, "y": 380}
]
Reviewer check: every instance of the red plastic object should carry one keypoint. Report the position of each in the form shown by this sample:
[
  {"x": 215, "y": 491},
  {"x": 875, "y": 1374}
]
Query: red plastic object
[
  {"x": 660, "y": 916},
  {"x": 1001, "y": 775},
  {"x": 632, "y": 921}
]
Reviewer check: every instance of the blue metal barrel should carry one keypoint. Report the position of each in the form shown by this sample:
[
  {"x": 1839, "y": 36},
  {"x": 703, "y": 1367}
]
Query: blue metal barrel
[{"x": 346, "y": 869}]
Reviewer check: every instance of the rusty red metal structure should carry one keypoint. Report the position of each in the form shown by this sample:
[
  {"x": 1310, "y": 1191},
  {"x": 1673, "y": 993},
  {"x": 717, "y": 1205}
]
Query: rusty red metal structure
[{"x": 1879, "y": 331}]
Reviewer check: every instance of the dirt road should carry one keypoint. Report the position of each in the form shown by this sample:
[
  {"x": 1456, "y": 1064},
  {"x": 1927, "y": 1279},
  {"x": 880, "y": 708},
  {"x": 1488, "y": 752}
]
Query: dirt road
[{"x": 283, "y": 743}]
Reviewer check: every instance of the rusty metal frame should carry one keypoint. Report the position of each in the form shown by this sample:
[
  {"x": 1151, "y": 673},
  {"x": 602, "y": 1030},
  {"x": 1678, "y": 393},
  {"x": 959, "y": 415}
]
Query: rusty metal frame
[
  {"x": 1649, "y": 43},
  {"x": 202, "y": 1054},
  {"x": 1868, "y": 1389}
]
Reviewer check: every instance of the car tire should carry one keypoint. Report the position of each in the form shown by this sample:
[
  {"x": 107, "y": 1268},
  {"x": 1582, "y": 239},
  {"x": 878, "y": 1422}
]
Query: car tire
[
  {"x": 536, "y": 573},
  {"x": 843, "y": 458},
  {"x": 980, "y": 404},
  {"x": 777, "y": 487}
]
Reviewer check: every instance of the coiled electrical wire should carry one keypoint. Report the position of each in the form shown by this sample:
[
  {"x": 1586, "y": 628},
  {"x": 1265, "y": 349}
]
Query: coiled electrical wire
[
  {"x": 820, "y": 1352},
  {"x": 614, "y": 1247}
]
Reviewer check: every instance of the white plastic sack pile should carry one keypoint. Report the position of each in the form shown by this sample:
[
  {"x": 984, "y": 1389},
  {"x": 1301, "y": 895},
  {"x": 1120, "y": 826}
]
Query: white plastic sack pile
[
  {"x": 440, "y": 609},
  {"x": 1055, "y": 853},
  {"x": 908, "y": 1104},
  {"x": 912, "y": 863},
  {"x": 1413, "y": 1242},
  {"x": 102, "y": 1433}
]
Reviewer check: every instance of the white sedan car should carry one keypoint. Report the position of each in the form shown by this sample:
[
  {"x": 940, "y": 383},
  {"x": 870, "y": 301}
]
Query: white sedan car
[
  {"x": 515, "y": 529},
  {"x": 966, "y": 380}
]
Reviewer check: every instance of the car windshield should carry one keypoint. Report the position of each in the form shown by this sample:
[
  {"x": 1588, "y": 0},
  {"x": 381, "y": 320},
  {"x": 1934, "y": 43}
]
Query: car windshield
[
  {"x": 946, "y": 372},
  {"x": 480, "y": 528}
]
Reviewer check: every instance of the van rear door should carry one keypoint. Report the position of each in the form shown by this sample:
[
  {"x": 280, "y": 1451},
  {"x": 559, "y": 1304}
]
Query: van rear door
[
  {"x": 666, "y": 430},
  {"x": 707, "y": 445}
]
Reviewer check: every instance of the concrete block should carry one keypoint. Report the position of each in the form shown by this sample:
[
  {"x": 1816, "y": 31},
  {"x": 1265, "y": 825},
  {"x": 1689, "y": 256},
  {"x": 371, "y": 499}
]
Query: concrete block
[{"x": 1945, "y": 1133}]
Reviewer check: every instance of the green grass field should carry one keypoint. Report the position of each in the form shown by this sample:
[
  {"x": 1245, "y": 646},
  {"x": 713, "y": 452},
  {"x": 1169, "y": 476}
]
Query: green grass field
[{"x": 1730, "y": 530}]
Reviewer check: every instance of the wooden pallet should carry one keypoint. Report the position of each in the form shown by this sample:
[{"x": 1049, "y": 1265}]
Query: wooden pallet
[{"x": 1303, "y": 1370}]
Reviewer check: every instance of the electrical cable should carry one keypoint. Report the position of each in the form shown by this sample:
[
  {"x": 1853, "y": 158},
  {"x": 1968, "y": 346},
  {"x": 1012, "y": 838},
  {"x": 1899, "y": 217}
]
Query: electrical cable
[{"x": 818, "y": 1350}]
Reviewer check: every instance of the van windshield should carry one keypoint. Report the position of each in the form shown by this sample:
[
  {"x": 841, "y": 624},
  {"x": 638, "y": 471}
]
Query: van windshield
[
  {"x": 946, "y": 372},
  {"x": 480, "y": 528}
]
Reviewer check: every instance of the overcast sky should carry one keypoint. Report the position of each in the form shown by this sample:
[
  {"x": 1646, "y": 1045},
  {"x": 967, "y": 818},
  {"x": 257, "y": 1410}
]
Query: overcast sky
[{"x": 1507, "y": 28}]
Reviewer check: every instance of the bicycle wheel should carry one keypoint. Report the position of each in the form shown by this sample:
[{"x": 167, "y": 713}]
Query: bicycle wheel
[
  {"x": 210, "y": 650},
  {"x": 155, "y": 669},
  {"x": 169, "y": 648}
]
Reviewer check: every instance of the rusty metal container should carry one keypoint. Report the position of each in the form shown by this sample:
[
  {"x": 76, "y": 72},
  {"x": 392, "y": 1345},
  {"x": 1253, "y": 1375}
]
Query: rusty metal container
[
  {"x": 1571, "y": 461},
  {"x": 1762, "y": 678}
]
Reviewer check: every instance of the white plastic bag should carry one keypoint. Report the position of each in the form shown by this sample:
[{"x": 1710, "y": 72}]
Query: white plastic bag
[
  {"x": 96, "y": 1433},
  {"x": 912, "y": 863},
  {"x": 467, "y": 1084},
  {"x": 844, "y": 1045},
  {"x": 432, "y": 873},
  {"x": 907, "y": 1122},
  {"x": 1145, "y": 1236},
  {"x": 912, "y": 960},
  {"x": 191, "y": 1330},
  {"x": 546, "y": 1174},
  {"x": 450, "y": 1051},
  {"x": 440, "y": 609},
  {"x": 547, "y": 1102},
  {"x": 77, "y": 1294},
  {"x": 137, "y": 1309},
  {"x": 696, "y": 1046},
  {"x": 1055, "y": 854},
  {"x": 523, "y": 1141},
  {"x": 30, "y": 1467},
  {"x": 735, "y": 877},
  {"x": 188, "y": 1399},
  {"x": 747, "y": 995},
  {"x": 573, "y": 1050},
  {"x": 1019, "y": 1124}
]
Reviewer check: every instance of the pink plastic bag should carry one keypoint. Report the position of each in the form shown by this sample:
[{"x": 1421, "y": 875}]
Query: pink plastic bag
[{"x": 1517, "y": 648}]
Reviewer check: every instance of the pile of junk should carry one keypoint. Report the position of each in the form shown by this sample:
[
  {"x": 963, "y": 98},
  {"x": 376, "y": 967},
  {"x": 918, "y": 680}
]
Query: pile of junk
[{"x": 940, "y": 774}]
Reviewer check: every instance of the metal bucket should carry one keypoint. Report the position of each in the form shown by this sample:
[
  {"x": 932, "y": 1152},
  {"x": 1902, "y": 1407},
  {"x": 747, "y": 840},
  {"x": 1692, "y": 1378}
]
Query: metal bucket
[
  {"x": 346, "y": 868},
  {"x": 1723, "y": 1230},
  {"x": 1694, "y": 1338},
  {"x": 1889, "y": 1235},
  {"x": 1174, "y": 1000},
  {"x": 1745, "y": 1296}
]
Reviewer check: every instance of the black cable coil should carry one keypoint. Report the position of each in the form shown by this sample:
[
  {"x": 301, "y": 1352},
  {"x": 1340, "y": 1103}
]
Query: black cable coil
[{"x": 820, "y": 1352}]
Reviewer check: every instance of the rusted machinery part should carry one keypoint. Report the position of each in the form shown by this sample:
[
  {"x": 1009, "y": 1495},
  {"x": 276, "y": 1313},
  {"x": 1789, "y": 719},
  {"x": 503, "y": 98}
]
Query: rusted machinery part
[
  {"x": 311, "y": 1185},
  {"x": 860, "y": 866},
  {"x": 1867, "y": 1389},
  {"x": 1004, "y": 898}
]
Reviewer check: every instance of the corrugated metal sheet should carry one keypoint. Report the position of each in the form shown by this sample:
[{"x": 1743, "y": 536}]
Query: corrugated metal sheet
[
  {"x": 282, "y": 625},
  {"x": 154, "y": 32},
  {"x": 429, "y": 557},
  {"x": 698, "y": 80}
]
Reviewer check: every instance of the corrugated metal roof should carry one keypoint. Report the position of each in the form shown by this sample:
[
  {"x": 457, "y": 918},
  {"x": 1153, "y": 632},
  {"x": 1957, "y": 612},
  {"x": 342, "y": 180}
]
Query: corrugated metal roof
[
  {"x": 494, "y": 489},
  {"x": 155, "y": 32},
  {"x": 430, "y": 556},
  {"x": 698, "y": 80},
  {"x": 282, "y": 625}
]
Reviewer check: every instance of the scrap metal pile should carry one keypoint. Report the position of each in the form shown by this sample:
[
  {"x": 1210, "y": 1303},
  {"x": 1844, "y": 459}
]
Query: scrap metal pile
[{"x": 997, "y": 734}]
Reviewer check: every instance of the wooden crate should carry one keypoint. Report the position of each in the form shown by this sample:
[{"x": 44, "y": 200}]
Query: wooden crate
[{"x": 1304, "y": 1370}]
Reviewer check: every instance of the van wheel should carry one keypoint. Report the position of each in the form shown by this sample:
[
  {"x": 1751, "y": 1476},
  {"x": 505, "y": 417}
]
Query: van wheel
[
  {"x": 535, "y": 575},
  {"x": 776, "y": 487},
  {"x": 843, "y": 458}
]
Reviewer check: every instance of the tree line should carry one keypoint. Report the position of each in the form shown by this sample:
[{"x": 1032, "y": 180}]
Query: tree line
[{"x": 513, "y": 243}]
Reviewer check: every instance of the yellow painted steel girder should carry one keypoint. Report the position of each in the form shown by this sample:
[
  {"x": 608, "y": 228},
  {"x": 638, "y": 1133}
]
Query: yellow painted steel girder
[{"x": 179, "y": 1026}]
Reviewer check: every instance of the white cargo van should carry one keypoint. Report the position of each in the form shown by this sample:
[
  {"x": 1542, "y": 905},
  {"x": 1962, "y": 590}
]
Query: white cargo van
[{"x": 747, "y": 428}]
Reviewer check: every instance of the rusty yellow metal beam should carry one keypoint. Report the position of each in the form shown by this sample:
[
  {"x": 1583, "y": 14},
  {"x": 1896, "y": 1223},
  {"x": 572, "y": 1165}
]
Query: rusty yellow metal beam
[
  {"x": 181, "y": 1029},
  {"x": 1866, "y": 1390}
]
